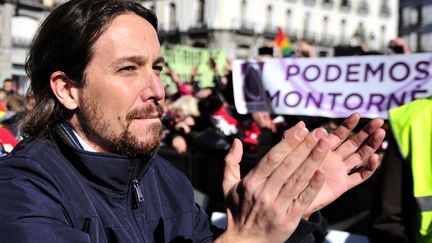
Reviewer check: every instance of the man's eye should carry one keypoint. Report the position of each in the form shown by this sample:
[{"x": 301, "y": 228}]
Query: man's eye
[
  {"x": 158, "y": 68},
  {"x": 127, "y": 69}
]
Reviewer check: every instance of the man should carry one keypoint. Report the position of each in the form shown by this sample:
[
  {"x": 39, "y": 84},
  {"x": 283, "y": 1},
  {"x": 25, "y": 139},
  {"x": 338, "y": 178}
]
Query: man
[{"x": 89, "y": 169}]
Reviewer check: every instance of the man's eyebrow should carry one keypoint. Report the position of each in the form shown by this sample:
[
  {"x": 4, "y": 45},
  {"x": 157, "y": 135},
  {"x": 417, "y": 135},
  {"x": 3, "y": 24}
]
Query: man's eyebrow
[
  {"x": 139, "y": 60},
  {"x": 135, "y": 59},
  {"x": 159, "y": 60}
]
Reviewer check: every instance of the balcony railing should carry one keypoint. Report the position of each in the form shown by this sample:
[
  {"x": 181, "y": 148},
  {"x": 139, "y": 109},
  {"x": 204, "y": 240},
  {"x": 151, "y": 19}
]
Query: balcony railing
[
  {"x": 243, "y": 27},
  {"x": 343, "y": 40},
  {"x": 170, "y": 34},
  {"x": 292, "y": 34},
  {"x": 327, "y": 40},
  {"x": 309, "y": 37},
  {"x": 199, "y": 30},
  {"x": 270, "y": 31}
]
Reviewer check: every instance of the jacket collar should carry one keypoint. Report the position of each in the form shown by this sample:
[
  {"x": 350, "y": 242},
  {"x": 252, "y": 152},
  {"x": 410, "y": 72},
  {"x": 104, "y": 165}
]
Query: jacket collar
[{"x": 113, "y": 171}]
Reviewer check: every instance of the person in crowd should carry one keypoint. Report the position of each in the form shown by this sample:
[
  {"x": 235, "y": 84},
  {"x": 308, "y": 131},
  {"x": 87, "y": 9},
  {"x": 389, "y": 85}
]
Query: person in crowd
[
  {"x": 30, "y": 102},
  {"x": 10, "y": 86},
  {"x": 7, "y": 141},
  {"x": 402, "y": 210},
  {"x": 88, "y": 169},
  {"x": 403, "y": 205},
  {"x": 184, "y": 88},
  {"x": 182, "y": 121},
  {"x": 225, "y": 126},
  {"x": 15, "y": 109},
  {"x": 304, "y": 49},
  {"x": 399, "y": 45},
  {"x": 3, "y": 95}
]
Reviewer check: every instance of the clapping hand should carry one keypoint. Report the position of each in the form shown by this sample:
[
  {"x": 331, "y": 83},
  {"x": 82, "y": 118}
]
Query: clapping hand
[{"x": 304, "y": 172}]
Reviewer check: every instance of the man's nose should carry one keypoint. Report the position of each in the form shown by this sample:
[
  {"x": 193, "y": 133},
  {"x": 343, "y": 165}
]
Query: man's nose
[{"x": 154, "y": 84}]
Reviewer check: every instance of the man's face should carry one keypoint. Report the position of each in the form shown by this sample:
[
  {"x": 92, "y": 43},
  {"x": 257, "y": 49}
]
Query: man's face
[{"x": 119, "y": 107}]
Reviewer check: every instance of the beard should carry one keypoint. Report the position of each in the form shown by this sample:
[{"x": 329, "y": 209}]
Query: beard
[{"x": 98, "y": 129}]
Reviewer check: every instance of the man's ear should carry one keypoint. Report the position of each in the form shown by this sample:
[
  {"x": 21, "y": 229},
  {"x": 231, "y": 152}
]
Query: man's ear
[{"x": 64, "y": 90}]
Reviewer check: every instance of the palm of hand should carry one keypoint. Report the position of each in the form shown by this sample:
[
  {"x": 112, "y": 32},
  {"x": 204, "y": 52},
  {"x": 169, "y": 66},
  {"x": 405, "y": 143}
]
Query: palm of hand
[
  {"x": 341, "y": 163},
  {"x": 336, "y": 183}
]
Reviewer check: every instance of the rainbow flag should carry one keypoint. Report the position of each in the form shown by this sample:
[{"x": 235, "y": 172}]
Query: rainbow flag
[{"x": 283, "y": 43}]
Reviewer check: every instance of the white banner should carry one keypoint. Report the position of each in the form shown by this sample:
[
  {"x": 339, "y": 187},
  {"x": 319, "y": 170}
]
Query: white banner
[{"x": 332, "y": 87}]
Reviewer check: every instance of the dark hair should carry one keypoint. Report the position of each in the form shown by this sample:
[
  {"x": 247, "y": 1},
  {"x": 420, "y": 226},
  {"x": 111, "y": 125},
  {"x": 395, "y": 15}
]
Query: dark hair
[{"x": 64, "y": 43}]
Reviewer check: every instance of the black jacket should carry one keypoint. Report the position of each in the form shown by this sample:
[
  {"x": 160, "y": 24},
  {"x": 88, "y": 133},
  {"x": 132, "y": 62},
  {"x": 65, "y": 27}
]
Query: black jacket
[{"x": 55, "y": 192}]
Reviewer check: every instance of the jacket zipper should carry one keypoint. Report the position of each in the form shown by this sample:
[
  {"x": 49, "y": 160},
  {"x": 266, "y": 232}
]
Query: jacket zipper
[
  {"x": 139, "y": 198},
  {"x": 137, "y": 195}
]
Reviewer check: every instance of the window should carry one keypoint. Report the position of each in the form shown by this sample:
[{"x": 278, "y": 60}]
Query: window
[
  {"x": 383, "y": 36},
  {"x": 384, "y": 8},
  {"x": 426, "y": 42},
  {"x": 345, "y": 3},
  {"x": 343, "y": 33},
  {"x": 288, "y": 19},
  {"x": 325, "y": 24},
  {"x": 306, "y": 22},
  {"x": 309, "y": 2},
  {"x": 363, "y": 7},
  {"x": 426, "y": 13},
  {"x": 412, "y": 42},
  {"x": 405, "y": 17},
  {"x": 201, "y": 10},
  {"x": 360, "y": 32},
  {"x": 324, "y": 32},
  {"x": 172, "y": 16},
  {"x": 269, "y": 17},
  {"x": 243, "y": 11},
  {"x": 413, "y": 16}
]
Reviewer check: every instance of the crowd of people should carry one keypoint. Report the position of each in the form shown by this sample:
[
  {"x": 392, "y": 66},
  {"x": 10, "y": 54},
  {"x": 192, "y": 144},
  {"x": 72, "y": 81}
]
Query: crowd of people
[
  {"x": 194, "y": 114},
  {"x": 206, "y": 117},
  {"x": 13, "y": 106}
]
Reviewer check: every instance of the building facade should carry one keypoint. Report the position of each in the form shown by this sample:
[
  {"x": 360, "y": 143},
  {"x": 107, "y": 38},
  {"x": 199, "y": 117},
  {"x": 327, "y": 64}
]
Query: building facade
[
  {"x": 415, "y": 24},
  {"x": 238, "y": 26},
  {"x": 19, "y": 20},
  {"x": 241, "y": 26}
]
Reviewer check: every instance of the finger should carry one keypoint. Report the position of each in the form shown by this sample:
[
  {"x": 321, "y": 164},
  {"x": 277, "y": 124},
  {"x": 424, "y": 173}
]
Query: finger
[
  {"x": 298, "y": 160},
  {"x": 371, "y": 167},
  {"x": 353, "y": 144},
  {"x": 273, "y": 127},
  {"x": 341, "y": 133},
  {"x": 232, "y": 166},
  {"x": 257, "y": 118},
  {"x": 306, "y": 197},
  {"x": 302, "y": 176},
  {"x": 364, "y": 172},
  {"x": 366, "y": 150},
  {"x": 270, "y": 161},
  {"x": 266, "y": 121}
]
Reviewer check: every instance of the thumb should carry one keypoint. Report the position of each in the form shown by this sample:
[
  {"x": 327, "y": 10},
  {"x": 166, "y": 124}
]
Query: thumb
[{"x": 232, "y": 166}]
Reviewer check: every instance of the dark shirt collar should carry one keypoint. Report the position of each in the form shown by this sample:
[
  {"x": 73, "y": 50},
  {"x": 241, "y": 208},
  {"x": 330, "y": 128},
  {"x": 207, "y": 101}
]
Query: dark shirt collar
[{"x": 109, "y": 170}]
